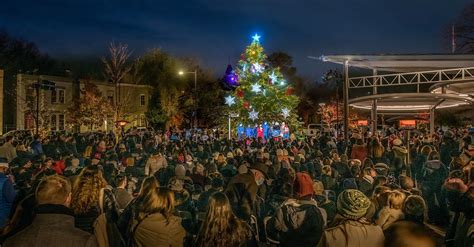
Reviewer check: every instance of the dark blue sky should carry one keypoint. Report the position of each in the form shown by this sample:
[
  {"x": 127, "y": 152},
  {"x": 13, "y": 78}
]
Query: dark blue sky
[{"x": 218, "y": 30}]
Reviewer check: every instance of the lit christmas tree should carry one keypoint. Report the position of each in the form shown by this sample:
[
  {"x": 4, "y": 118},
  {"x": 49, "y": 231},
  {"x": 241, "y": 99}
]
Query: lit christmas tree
[{"x": 263, "y": 94}]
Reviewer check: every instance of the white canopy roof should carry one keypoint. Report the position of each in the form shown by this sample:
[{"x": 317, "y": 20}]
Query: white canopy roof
[{"x": 402, "y": 63}]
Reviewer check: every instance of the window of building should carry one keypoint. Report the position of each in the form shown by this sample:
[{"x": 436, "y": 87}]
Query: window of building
[
  {"x": 58, "y": 96},
  {"x": 53, "y": 122},
  {"x": 61, "y": 122},
  {"x": 142, "y": 100},
  {"x": 54, "y": 97},
  {"x": 61, "y": 96}
]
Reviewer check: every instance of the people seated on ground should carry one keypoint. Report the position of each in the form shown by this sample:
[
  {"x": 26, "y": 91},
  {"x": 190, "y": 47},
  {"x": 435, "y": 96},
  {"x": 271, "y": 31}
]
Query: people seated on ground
[{"x": 53, "y": 224}]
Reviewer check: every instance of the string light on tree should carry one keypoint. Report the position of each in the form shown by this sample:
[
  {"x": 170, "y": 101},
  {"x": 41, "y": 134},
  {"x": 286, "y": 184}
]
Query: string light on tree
[
  {"x": 230, "y": 100},
  {"x": 256, "y": 88},
  {"x": 282, "y": 82},
  {"x": 253, "y": 115},
  {"x": 285, "y": 112}
]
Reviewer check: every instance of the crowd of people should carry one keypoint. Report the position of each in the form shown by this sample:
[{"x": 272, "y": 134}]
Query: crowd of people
[{"x": 198, "y": 189}]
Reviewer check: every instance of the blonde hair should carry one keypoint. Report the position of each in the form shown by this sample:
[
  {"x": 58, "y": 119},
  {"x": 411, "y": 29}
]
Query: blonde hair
[
  {"x": 86, "y": 189},
  {"x": 396, "y": 199},
  {"x": 53, "y": 190}
]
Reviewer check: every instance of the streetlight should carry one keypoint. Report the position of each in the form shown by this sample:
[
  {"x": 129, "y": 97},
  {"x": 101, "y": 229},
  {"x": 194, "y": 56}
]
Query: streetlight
[
  {"x": 122, "y": 124},
  {"x": 181, "y": 73}
]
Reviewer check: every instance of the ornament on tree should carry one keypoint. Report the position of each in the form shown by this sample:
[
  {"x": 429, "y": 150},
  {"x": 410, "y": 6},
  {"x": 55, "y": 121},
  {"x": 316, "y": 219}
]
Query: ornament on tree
[
  {"x": 282, "y": 82},
  {"x": 257, "y": 68},
  {"x": 230, "y": 77},
  {"x": 240, "y": 93},
  {"x": 285, "y": 112},
  {"x": 273, "y": 77},
  {"x": 246, "y": 105},
  {"x": 256, "y": 88},
  {"x": 289, "y": 91},
  {"x": 230, "y": 100},
  {"x": 253, "y": 115}
]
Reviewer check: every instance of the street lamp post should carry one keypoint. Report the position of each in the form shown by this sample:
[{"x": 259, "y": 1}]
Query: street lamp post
[
  {"x": 321, "y": 105},
  {"x": 181, "y": 73}
]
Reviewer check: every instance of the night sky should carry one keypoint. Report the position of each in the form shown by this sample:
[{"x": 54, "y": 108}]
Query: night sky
[{"x": 217, "y": 31}]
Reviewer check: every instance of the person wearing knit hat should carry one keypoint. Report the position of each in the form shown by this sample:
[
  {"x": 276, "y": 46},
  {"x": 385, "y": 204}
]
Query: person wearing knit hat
[
  {"x": 352, "y": 204},
  {"x": 303, "y": 185},
  {"x": 299, "y": 221},
  {"x": 351, "y": 228}
]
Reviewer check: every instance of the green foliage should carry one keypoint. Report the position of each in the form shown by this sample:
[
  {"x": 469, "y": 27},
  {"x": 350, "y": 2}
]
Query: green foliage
[{"x": 276, "y": 93}]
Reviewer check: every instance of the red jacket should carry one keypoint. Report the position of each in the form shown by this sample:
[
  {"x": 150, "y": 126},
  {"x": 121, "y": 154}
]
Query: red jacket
[{"x": 359, "y": 152}]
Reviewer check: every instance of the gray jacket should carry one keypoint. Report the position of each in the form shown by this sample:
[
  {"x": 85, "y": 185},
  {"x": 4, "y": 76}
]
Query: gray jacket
[{"x": 52, "y": 229}]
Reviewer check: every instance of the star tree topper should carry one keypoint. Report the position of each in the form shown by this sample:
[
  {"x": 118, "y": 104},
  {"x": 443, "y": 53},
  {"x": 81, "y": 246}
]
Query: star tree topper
[
  {"x": 253, "y": 115},
  {"x": 230, "y": 100}
]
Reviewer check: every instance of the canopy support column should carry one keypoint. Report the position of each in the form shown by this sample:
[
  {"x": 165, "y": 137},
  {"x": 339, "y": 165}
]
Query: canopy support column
[
  {"x": 373, "y": 115},
  {"x": 346, "y": 101}
]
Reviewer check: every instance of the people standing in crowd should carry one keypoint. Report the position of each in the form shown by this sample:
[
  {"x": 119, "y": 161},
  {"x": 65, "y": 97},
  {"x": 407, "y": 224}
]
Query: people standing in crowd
[
  {"x": 8, "y": 150},
  {"x": 157, "y": 226},
  {"x": 221, "y": 227},
  {"x": 8, "y": 192},
  {"x": 350, "y": 227},
  {"x": 303, "y": 191},
  {"x": 53, "y": 224}
]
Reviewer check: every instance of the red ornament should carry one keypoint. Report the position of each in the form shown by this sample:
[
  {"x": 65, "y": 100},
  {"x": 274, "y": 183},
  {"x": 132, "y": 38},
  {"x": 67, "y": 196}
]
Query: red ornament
[
  {"x": 242, "y": 56},
  {"x": 289, "y": 91},
  {"x": 246, "y": 105},
  {"x": 270, "y": 81},
  {"x": 240, "y": 93}
]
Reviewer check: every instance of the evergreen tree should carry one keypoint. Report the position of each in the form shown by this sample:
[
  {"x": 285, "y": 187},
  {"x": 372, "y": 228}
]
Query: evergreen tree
[{"x": 263, "y": 93}]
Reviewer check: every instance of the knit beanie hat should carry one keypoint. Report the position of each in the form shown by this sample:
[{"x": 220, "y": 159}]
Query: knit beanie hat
[
  {"x": 352, "y": 204},
  {"x": 303, "y": 185},
  {"x": 414, "y": 205}
]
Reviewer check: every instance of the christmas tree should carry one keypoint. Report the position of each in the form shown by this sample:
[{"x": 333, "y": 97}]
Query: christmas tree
[{"x": 263, "y": 94}]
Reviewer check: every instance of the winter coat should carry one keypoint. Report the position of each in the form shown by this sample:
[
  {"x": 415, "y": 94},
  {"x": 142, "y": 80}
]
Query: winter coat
[
  {"x": 447, "y": 147},
  {"x": 388, "y": 216},
  {"x": 8, "y": 151},
  {"x": 155, "y": 230},
  {"x": 242, "y": 194},
  {"x": 298, "y": 223},
  {"x": 351, "y": 233},
  {"x": 155, "y": 163},
  {"x": 52, "y": 226},
  {"x": 366, "y": 185},
  {"x": 359, "y": 152},
  {"x": 433, "y": 173}
]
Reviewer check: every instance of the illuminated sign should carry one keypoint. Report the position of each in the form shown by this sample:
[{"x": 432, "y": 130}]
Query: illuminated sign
[
  {"x": 362, "y": 122},
  {"x": 407, "y": 123}
]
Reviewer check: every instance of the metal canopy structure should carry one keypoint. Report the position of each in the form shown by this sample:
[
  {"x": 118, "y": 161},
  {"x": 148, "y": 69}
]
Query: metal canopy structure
[
  {"x": 409, "y": 102},
  {"x": 402, "y": 62},
  {"x": 453, "y": 71}
]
